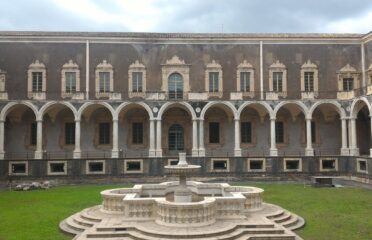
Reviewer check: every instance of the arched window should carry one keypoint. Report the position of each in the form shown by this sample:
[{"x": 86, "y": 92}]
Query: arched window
[
  {"x": 175, "y": 138},
  {"x": 175, "y": 86}
]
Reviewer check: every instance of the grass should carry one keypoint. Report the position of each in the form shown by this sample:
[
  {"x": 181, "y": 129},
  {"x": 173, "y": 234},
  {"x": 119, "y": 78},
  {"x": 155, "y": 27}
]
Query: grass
[{"x": 330, "y": 213}]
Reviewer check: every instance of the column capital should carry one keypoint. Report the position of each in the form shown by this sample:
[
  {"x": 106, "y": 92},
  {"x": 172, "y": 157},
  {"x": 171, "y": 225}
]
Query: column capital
[
  {"x": 115, "y": 119},
  {"x": 272, "y": 118},
  {"x": 39, "y": 120},
  {"x": 77, "y": 120},
  {"x": 352, "y": 118},
  {"x": 236, "y": 119},
  {"x": 307, "y": 119},
  {"x": 2, "y": 121}
]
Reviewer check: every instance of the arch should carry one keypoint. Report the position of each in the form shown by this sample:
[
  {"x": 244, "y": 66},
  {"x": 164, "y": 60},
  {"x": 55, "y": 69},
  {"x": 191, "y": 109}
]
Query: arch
[
  {"x": 300, "y": 104},
  {"x": 227, "y": 104},
  {"x": 127, "y": 104},
  {"x": 4, "y": 112},
  {"x": 335, "y": 104},
  {"x": 263, "y": 104},
  {"x": 104, "y": 104},
  {"x": 354, "y": 110},
  {"x": 46, "y": 107},
  {"x": 167, "y": 105}
]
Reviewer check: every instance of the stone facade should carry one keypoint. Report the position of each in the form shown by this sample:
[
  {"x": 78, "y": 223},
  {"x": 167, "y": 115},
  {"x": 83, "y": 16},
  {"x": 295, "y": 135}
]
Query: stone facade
[{"x": 146, "y": 95}]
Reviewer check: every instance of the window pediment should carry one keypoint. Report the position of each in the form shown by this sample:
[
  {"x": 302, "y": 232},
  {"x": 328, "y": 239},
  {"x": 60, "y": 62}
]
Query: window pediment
[
  {"x": 175, "y": 60},
  {"x": 36, "y": 65},
  {"x": 175, "y": 65},
  {"x": 104, "y": 65},
  {"x": 309, "y": 65},
  {"x": 277, "y": 65},
  {"x": 137, "y": 65},
  {"x": 213, "y": 65},
  {"x": 70, "y": 65},
  {"x": 245, "y": 65}
]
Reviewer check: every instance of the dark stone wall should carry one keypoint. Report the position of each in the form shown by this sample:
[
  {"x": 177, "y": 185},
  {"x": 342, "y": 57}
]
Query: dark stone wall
[{"x": 16, "y": 57}]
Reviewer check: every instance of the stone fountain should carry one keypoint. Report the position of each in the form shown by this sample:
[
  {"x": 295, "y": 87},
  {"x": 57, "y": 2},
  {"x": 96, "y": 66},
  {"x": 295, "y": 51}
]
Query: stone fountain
[{"x": 183, "y": 210}]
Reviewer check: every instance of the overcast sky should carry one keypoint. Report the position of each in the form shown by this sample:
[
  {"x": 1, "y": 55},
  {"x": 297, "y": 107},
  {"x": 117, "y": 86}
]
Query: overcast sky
[{"x": 349, "y": 16}]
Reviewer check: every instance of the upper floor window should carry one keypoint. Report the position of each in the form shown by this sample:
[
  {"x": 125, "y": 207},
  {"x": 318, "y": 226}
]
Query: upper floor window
[
  {"x": 3, "y": 94},
  {"x": 277, "y": 81},
  {"x": 213, "y": 79},
  {"x": 104, "y": 82},
  {"x": 348, "y": 78},
  {"x": 213, "y": 82},
  {"x": 369, "y": 72},
  {"x": 245, "y": 78},
  {"x": 278, "y": 78},
  {"x": 137, "y": 79},
  {"x": 175, "y": 78},
  {"x": 104, "y": 79},
  {"x": 347, "y": 84},
  {"x": 36, "y": 80},
  {"x": 175, "y": 86},
  {"x": 70, "y": 75},
  {"x": 309, "y": 81}
]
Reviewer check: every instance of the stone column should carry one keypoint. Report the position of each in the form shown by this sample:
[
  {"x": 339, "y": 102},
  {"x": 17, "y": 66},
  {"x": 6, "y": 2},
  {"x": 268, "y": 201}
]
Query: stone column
[
  {"x": 201, "y": 138},
  {"x": 77, "y": 150},
  {"x": 195, "y": 150},
  {"x": 354, "y": 151},
  {"x": 273, "y": 149},
  {"x": 152, "y": 152},
  {"x": 237, "y": 149},
  {"x": 158, "y": 138},
  {"x": 115, "y": 149},
  {"x": 309, "y": 151},
  {"x": 39, "y": 140},
  {"x": 344, "y": 148},
  {"x": 2, "y": 136}
]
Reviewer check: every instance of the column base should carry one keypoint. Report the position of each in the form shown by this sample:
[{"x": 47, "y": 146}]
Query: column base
[
  {"x": 201, "y": 152},
  {"x": 2, "y": 155},
  {"x": 77, "y": 154},
  {"x": 354, "y": 151},
  {"x": 194, "y": 152},
  {"x": 115, "y": 153},
  {"x": 309, "y": 152},
  {"x": 152, "y": 153},
  {"x": 38, "y": 154},
  {"x": 237, "y": 152},
  {"x": 370, "y": 152},
  {"x": 159, "y": 153},
  {"x": 345, "y": 152},
  {"x": 273, "y": 152}
]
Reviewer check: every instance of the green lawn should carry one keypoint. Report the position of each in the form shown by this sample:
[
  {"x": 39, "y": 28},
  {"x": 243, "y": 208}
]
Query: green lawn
[{"x": 330, "y": 213}]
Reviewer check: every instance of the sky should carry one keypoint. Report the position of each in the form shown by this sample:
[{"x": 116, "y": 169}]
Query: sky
[{"x": 227, "y": 16}]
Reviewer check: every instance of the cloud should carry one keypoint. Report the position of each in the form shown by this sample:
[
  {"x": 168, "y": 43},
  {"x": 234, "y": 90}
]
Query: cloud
[{"x": 187, "y": 15}]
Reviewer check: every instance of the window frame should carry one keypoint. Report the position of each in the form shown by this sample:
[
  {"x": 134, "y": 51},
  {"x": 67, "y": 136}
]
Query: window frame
[
  {"x": 10, "y": 171},
  {"x": 321, "y": 167},
  {"x": 105, "y": 138},
  {"x": 134, "y": 133},
  {"x": 218, "y": 132},
  {"x": 213, "y": 160},
  {"x": 211, "y": 68},
  {"x": 104, "y": 67},
  {"x": 87, "y": 169},
  {"x": 245, "y": 67},
  {"x": 126, "y": 161},
  {"x": 263, "y": 169},
  {"x": 299, "y": 169},
  {"x": 57, "y": 173},
  {"x": 278, "y": 67},
  {"x": 70, "y": 67},
  {"x": 72, "y": 137},
  {"x": 35, "y": 67},
  {"x": 135, "y": 68},
  {"x": 309, "y": 67}
]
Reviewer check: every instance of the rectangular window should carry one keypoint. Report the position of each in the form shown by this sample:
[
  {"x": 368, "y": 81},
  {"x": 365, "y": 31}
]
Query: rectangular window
[
  {"x": 33, "y": 133},
  {"x": 18, "y": 168},
  {"x": 328, "y": 164},
  {"x": 256, "y": 165},
  {"x": 95, "y": 167},
  {"x": 214, "y": 132},
  {"x": 220, "y": 165},
  {"x": 37, "y": 81},
  {"x": 104, "y": 82},
  {"x": 313, "y": 132},
  {"x": 104, "y": 133},
  {"x": 213, "y": 82},
  {"x": 70, "y": 82},
  {"x": 348, "y": 84},
  {"x": 292, "y": 165},
  {"x": 133, "y": 166},
  {"x": 277, "y": 81},
  {"x": 246, "y": 132},
  {"x": 362, "y": 165},
  {"x": 245, "y": 81},
  {"x": 57, "y": 168},
  {"x": 137, "y": 82},
  {"x": 70, "y": 133},
  {"x": 137, "y": 133},
  {"x": 309, "y": 81},
  {"x": 279, "y": 132}
]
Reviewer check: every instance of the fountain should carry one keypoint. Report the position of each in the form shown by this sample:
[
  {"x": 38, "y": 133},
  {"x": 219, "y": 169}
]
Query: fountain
[{"x": 183, "y": 210}]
